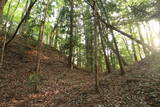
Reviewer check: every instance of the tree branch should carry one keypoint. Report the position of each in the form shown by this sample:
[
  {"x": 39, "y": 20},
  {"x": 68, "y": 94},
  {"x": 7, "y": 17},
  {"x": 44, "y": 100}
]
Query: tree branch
[{"x": 21, "y": 22}]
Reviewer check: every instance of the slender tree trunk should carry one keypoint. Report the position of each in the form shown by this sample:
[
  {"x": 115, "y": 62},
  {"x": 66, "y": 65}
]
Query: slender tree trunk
[
  {"x": 126, "y": 44},
  {"x": 25, "y": 8},
  {"x": 111, "y": 28},
  {"x": 2, "y": 4},
  {"x": 88, "y": 32},
  {"x": 24, "y": 24},
  {"x": 56, "y": 39},
  {"x": 3, "y": 50},
  {"x": 54, "y": 33},
  {"x": 51, "y": 39},
  {"x": 5, "y": 30},
  {"x": 149, "y": 34},
  {"x": 139, "y": 51},
  {"x": 118, "y": 54},
  {"x": 21, "y": 22},
  {"x": 112, "y": 61},
  {"x": 108, "y": 66},
  {"x": 142, "y": 39},
  {"x": 92, "y": 54},
  {"x": 113, "y": 49},
  {"x": 133, "y": 47},
  {"x": 79, "y": 60},
  {"x": 40, "y": 42},
  {"x": 41, "y": 34},
  {"x": 134, "y": 51},
  {"x": 70, "y": 57},
  {"x": 12, "y": 16},
  {"x": 108, "y": 25},
  {"x": 95, "y": 47}
]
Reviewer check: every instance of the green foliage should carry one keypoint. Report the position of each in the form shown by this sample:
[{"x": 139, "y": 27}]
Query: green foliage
[
  {"x": 123, "y": 15},
  {"x": 34, "y": 80}
]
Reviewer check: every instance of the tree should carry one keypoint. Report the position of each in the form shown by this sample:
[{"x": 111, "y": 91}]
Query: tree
[
  {"x": 5, "y": 30},
  {"x": 40, "y": 40},
  {"x": 2, "y": 4},
  {"x": 88, "y": 27},
  {"x": 108, "y": 65},
  {"x": 70, "y": 57},
  {"x": 21, "y": 22},
  {"x": 96, "y": 65}
]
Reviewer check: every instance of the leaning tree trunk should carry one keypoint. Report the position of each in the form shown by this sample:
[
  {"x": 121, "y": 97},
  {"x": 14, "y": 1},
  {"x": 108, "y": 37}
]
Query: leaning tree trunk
[
  {"x": 106, "y": 40},
  {"x": 21, "y": 22},
  {"x": 108, "y": 65},
  {"x": 12, "y": 16},
  {"x": 139, "y": 51},
  {"x": 118, "y": 53},
  {"x": 127, "y": 47},
  {"x": 111, "y": 28}
]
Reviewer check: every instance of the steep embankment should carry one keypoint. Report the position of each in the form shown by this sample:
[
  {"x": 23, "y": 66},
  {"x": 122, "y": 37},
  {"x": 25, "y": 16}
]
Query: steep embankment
[
  {"x": 57, "y": 79},
  {"x": 62, "y": 87}
]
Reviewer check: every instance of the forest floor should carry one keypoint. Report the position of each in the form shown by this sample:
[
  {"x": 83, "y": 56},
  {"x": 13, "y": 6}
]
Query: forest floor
[{"x": 62, "y": 87}]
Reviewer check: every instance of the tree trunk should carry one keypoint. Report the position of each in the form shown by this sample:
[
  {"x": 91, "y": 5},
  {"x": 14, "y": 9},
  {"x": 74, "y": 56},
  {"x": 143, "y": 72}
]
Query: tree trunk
[
  {"x": 79, "y": 60},
  {"x": 5, "y": 30},
  {"x": 56, "y": 39},
  {"x": 134, "y": 51},
  {"x": 133, "y": 47},
  {"x": 108, "y": 65},
  {"x": 95, "y": 47},
  {"x": 142, "y": 39},
  {"x": 12, "y": 16},
  {"x": 108, "y": 25},
  {"x": 70, "y": 57},
  {"x": 2, "y": 4},
  {"x": 126, "y": 44},
  {"x": 113, "y": 61},
  {"x": 21, "y": 22},
  {"x": 139, "y": 51},
  {"x": 114, "y": 50},
  {"x": 3, "y": 51},
  {"x": 24, "y": 24},
  {"x": 40, "y": 40},
  {"x": 118, "y": 54}
]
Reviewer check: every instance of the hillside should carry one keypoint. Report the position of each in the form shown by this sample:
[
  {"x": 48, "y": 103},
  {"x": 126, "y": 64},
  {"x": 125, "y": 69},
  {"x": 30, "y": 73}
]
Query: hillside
[
  {"x": 62, "y": 87},
  {"x": 79, "y": 53}
]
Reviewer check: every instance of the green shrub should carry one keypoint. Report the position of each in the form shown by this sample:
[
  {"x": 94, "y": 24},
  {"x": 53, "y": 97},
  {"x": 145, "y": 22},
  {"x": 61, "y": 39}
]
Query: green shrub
[{"x": 33, "y": 81}]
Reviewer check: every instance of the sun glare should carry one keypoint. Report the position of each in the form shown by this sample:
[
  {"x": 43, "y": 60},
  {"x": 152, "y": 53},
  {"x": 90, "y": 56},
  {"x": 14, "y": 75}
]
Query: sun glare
[
  {"x": 156, "y": 42},
  {"x": 154, "y": 25},
  {"x": 152, "y": 29}
]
